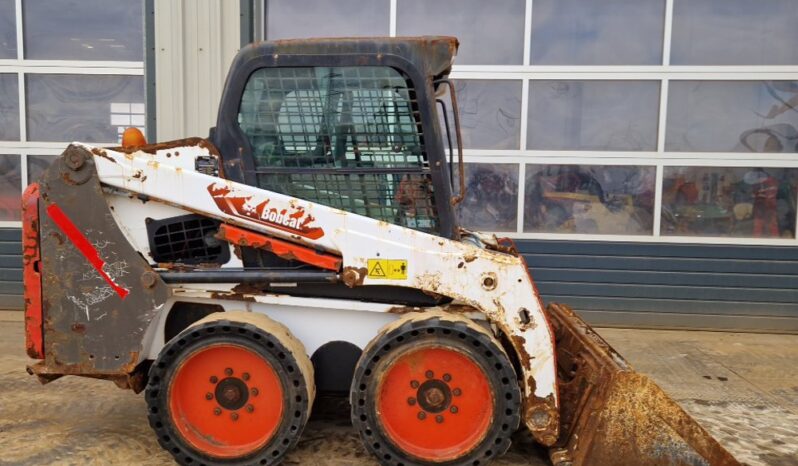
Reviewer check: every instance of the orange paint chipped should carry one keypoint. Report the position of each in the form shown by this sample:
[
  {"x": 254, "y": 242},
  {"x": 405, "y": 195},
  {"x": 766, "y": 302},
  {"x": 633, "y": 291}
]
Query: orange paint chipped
[
  {"x": 31, "y": 275},
  {"x": 284, "y": 249}
]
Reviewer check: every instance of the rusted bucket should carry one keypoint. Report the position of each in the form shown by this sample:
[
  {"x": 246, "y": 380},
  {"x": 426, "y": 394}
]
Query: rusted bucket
[{"x": 611, "y": 415}]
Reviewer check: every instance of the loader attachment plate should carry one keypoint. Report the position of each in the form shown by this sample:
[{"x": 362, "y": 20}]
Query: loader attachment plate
[
  {"x": 612, "y": 415},
  {"x": 99, "y": 294}
]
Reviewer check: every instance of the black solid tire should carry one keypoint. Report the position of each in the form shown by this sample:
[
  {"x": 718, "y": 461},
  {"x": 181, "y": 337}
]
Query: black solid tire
[
  {"x": 296, "y": 402},
  {"x": 480, "y": 346}
]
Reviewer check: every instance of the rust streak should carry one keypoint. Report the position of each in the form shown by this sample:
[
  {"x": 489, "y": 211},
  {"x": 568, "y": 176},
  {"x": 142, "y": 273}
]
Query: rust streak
[
  {"x": 154, "y": 148},
  {"x": 99, "y": 152},
  {"x": 236, "y": 295},
  {"x": 612, "y": 414},
  {"x": 354, "y": 276}
]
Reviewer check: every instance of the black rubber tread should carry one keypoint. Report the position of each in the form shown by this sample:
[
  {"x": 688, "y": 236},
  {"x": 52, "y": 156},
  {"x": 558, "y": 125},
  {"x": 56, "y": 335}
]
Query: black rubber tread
[
  {"x": 228, "y": 331},
  {"x": 481, "y": 346}
]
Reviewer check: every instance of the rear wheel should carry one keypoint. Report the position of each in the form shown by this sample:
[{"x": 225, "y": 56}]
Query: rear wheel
[
  {"x": 435, "y": 390},
  {"x": 229, "y": 392}
]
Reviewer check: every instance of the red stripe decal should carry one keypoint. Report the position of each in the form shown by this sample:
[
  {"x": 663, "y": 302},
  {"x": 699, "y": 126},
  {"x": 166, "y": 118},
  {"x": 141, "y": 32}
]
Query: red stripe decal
[{"x": 83, "y": 245}]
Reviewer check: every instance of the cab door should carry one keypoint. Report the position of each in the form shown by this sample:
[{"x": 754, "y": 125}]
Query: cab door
[
  {"x": 363, "y": 138},
  {"x": 345, "y": 137}
]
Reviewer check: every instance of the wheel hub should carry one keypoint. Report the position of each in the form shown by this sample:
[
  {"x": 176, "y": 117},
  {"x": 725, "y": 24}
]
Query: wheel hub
[
  {"x": 434, "y": 396},
  {"x": 232, "y": 393}
]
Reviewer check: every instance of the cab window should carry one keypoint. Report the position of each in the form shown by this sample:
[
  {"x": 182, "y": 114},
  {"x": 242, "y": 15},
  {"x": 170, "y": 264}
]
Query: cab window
[{"x": 346, "y": 137}]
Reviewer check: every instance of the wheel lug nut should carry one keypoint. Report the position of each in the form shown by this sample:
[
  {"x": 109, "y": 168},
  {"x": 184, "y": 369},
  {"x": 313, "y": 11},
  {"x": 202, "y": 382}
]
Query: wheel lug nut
[
  {"x": 250, "y": 408},
  {"x": 214, "y": 379},
  {"x": 234, "y": 416},
  {"x": 453, "y": 410},
  {"x": 422, "y": 415},
  {"x": 209, "y": 396},
  {"x": 447, "y": 377},
  {"x": 245, "y": 376},
  {"x": 411, "y": 401},
  {"x": 254, "y": 391},
  {"x": 228, "y": 372},
  {"x": 429, "y": 374},
  {"x": 439, "y": 419},
  {"x": 217, "y": 411},
  {"x": 414, "y": 384},
  {"x": 457, "y": 392}
]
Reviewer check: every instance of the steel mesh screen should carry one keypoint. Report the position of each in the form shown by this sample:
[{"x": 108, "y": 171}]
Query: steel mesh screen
[
  {"x": 347, "y": 137},
  {"x": 402, "y": 199},
  {"x": 187, "y": 239}
]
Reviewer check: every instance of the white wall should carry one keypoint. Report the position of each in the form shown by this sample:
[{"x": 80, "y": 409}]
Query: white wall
[{"x": 195, "y": 41}]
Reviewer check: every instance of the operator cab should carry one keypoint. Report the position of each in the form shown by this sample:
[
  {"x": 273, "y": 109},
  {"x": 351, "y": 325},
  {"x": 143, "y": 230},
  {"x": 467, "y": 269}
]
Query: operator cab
[{"x": 348, "y": 123}]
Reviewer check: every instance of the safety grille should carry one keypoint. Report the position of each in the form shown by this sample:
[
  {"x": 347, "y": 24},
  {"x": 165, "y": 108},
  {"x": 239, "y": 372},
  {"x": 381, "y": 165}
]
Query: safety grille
[
  {"x": 401, "y": 199},
  {"x": 187, "y": 239},
  {"x": 346, "y": 137}
]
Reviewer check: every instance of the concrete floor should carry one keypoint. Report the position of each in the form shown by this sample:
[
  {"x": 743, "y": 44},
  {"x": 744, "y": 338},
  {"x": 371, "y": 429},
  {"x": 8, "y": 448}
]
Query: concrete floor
[{"x": 742, "y": 387}]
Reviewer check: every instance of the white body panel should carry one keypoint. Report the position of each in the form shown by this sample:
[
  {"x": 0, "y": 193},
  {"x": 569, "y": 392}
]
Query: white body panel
[{"x": 313, "y": 321}]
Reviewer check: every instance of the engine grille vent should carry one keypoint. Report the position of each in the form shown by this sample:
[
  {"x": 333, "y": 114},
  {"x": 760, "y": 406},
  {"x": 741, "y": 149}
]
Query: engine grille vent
[{"x": 188, "y": 239}]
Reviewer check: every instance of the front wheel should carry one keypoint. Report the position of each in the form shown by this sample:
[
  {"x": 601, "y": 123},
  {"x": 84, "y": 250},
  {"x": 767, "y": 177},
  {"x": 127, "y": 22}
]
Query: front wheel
[
  {"x": 229, "y": 392},
  {"x": 437, "y": 389}
]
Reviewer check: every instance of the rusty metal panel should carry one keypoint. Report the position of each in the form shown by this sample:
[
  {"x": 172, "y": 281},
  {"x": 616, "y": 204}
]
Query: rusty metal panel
[
  {"x": 32, "y": 278},
  {"x": 99, "y": 295},
  {"x": 611, "y": 414}
]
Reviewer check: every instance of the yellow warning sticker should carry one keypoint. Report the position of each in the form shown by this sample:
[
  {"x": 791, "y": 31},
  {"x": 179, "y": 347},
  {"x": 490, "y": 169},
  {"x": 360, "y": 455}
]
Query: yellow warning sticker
[{"x": 389, "y": 269}]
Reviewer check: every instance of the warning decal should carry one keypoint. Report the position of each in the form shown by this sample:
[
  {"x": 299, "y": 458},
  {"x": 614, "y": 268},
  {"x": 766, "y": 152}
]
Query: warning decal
[{"x": 389, "y": 269}]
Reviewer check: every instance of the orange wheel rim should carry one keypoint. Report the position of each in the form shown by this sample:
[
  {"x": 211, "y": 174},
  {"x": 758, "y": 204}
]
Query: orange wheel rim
[
  {"x": 226, "y": 400},
  {"x": 435, "y": 403}
]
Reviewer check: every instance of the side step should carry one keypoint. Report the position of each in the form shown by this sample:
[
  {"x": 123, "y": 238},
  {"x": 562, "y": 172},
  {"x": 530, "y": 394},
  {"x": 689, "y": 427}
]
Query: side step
[{"x": 611, "y": 414}]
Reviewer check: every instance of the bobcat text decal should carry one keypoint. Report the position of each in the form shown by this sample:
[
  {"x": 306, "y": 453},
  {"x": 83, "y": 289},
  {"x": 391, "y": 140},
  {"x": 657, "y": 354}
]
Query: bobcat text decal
[{"x": 297, "y": 222}]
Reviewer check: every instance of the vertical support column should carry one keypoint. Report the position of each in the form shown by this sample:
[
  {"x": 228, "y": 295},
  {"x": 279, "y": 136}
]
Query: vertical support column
[
  {"x": 392, "y": 19},
  {"x": 663, "y": 115},
  {"x": 527, "y": 32},
  {"x": 23, "y": 124},
  {"x": 658, "y": 200},
  {"x": 259, "y": 11},
  {"x": 666, "y": 42},
  {"x": 150, "y": 83},
  {"x": 521, "y": 190},
  {"x": 524, "y": 114},
  {"x": 247, "y": 22}
]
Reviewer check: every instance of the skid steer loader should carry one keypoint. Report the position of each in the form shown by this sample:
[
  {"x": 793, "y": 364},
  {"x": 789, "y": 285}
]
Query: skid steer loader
[{"x": 311, "y": 243}]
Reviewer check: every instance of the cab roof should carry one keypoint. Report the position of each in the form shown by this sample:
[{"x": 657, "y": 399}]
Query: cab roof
[{"x": 432, "y": 55}]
